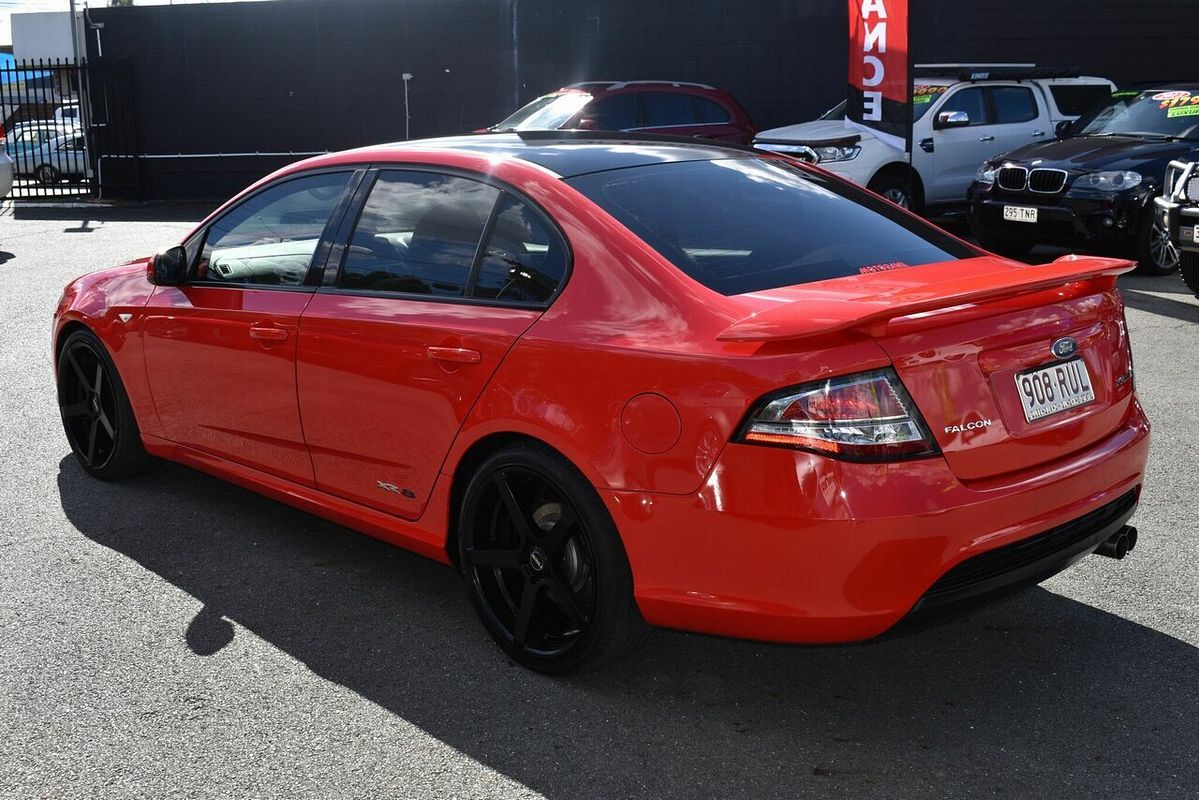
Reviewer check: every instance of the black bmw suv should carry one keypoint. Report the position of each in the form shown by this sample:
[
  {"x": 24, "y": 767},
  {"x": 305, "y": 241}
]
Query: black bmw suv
[{"x": 1093, "y": 187}]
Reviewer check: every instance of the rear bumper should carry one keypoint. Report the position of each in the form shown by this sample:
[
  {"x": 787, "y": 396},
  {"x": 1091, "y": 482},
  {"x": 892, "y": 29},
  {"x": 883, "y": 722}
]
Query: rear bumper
[
  {"x": 791, "y": 547},
  {"x": 1104, "y": 224}
]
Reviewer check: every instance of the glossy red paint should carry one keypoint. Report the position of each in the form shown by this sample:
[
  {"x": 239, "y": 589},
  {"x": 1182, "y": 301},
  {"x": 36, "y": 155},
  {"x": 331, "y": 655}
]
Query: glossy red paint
[{"x": 727, "y": 538}]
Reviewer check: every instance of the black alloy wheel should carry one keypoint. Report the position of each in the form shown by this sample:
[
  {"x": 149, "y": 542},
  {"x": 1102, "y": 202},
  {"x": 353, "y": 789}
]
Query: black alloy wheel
[
  {"x": 543, "y": 564},
  {"x": 47, "y": 175},
  {"x": 95, "y": 410}
]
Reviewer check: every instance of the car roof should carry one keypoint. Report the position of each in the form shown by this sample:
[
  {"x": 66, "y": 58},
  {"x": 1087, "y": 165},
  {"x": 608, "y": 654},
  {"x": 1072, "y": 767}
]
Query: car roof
[{"x": 572, "y": 153}]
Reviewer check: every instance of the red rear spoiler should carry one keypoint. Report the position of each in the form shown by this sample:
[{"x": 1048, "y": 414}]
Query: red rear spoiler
[{"x": 913, "y": 291}]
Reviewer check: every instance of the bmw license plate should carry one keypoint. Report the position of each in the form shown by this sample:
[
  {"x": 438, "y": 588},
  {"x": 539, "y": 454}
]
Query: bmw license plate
[
  {"x": 1055, "y": 388},
  {"x": 1020, "y": 214}
]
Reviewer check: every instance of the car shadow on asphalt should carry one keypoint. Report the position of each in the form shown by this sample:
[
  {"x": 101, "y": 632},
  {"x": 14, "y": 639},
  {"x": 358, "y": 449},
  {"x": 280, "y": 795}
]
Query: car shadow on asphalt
[{"x": 1036, "y": 696}]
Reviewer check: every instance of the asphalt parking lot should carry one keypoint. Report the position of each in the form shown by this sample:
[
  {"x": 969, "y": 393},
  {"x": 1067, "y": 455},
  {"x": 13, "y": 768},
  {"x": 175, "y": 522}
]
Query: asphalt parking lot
[{"x": 177, "y": 636}]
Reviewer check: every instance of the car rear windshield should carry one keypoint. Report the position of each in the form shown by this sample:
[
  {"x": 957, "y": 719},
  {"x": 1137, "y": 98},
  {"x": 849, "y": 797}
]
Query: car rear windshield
[
  {"x": 1158, "y": 113},
  {"x": 742, "y": 225}
]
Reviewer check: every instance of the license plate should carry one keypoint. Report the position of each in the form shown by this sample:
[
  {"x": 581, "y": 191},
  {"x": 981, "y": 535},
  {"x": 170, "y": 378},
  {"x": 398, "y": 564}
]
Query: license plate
[
  {"x": 1055, "y": 388},
  {"x": 1020, "y": 214}
]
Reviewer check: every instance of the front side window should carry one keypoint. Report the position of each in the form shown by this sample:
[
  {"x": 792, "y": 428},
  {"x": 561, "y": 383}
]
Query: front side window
[
  {"x": 270, "y": 238},
  {"x": 1013, "y": 104},
  {"x": 970, "y": 100},
  {"x": 616, "y": 112},
  {"x": 524, "y": 260},
  {"x": 742, "y": 225},
  {"x": 418, "y": 234}
]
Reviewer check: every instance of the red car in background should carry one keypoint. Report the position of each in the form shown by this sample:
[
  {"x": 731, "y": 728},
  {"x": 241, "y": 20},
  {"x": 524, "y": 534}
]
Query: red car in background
[
  {"x": 664, "y": 107},
  {"x": 619, "y": 380}
]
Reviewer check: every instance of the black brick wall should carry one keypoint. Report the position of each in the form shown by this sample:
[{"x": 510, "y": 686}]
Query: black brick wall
[{"x": 301, "y": 75}]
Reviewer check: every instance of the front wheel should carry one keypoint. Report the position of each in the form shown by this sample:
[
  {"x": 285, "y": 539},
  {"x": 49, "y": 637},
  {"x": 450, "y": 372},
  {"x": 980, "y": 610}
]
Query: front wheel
[
  {"x": 1188, "y": 270},
  {"x": 895, "y": 187},
  {"x": 543, "y": 563},
  {"x": 95, "y": 410},
  {"x": 1156, "y": 253}
]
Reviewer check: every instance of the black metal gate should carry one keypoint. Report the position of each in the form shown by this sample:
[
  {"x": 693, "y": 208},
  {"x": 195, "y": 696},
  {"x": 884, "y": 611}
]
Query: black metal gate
[{"x": 68, "y": 130}]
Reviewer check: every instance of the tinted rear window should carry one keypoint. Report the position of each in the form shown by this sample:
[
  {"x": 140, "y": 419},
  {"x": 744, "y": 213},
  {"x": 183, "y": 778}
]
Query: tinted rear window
[
  {"x": 744, "y": 225},
  {"x": 1074, "y": 99}
]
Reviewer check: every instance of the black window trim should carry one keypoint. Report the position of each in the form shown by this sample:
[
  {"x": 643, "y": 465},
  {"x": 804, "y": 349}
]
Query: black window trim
[
  {"x": 200, "y": 237},
  {"x": 337, "y": 258}
]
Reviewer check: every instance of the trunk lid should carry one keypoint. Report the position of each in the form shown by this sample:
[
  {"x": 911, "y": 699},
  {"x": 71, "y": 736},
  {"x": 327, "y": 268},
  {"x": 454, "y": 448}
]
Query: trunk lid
[{"x": 959, "y": 335}]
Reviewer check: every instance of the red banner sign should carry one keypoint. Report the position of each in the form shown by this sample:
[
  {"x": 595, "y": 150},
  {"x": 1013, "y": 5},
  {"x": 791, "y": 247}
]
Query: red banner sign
[{"x": 878, "y": 91}]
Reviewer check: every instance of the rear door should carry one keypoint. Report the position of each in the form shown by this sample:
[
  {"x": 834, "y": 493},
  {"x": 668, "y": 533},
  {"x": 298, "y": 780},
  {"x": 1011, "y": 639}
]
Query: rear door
[
  {"x": 434, "y": 282},
  {"x": 220, "y": 350},
  {"x": 1019, "y": 117}
]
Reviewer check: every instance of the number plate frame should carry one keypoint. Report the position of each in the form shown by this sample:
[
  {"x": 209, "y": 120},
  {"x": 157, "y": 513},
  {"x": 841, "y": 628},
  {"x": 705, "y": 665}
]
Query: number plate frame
[{"x": 1049, "y": 382}]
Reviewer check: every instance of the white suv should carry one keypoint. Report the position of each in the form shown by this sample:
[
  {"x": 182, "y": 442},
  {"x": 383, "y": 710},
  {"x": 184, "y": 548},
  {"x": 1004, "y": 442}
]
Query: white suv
[{"x": 963, "y": 114}]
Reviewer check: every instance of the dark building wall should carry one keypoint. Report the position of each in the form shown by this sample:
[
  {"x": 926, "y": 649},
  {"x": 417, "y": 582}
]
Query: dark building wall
[{"x": 315, "y": 75}]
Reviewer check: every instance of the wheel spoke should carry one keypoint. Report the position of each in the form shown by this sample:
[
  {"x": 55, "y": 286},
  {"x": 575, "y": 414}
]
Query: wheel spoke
[
  {"x": 70, "y": 356},
  {"x": 91, "y": 448},
  {"x": 108, "y": 427},
  {"x": 504, "y": 559},
  {"x": 75, "y": 409},
  {"x": 563, "y": 598},
  {"x": 99, "y": 379},
  {"x": 519, "y": 521},
  {"x": 525, "y": 613},
  {"x": 555, "y": 537}
]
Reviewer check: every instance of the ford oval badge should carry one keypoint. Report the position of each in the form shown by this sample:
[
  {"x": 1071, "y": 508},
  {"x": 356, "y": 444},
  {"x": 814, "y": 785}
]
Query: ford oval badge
[{"x": 1064, "y": 347}]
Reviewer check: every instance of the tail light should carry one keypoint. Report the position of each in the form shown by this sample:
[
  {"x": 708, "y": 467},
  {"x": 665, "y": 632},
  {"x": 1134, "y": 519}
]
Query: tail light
[{"x": 863, "y": 417}]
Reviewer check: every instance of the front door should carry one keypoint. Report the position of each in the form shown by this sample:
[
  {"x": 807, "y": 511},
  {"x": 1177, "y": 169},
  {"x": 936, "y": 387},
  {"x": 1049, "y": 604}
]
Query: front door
[
  {"x": 394, "y": 354},
  {"x": 220, "y": 350},
  {"x": 959, "y": 152}
]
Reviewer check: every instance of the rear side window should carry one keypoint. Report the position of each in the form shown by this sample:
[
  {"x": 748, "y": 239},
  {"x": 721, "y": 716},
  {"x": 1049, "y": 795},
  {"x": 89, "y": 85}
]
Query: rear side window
[
  {"x": 971, "y": 100},
  {"x": 709, "y": 111},
  {"x": 1075, "y": 99},
  {"x": 1013, "y": 104},
  {"x": 616, "y": 112},
  {"x": 524, "y": 261},
  {"x": 418, "y": 234},
  {"x": 664, "y": 109},
  {"x": 743, "y": 225},
  {"x": 270, "y": 238}
]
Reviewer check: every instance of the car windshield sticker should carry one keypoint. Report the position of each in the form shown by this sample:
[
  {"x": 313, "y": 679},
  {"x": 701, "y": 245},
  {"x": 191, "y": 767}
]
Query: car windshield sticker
[
  {"x": 924, "y": 92},
  {"x": 882, "y": 267},
  {"x": 1178, "y": 103}
]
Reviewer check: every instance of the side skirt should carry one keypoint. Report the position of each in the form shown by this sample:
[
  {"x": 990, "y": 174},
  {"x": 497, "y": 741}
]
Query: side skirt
[{"x": 426, "y": 537}]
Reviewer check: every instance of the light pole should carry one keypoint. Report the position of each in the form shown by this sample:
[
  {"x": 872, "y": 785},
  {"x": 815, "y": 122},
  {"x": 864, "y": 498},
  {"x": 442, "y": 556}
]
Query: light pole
[{"x": 407, "y": 76}]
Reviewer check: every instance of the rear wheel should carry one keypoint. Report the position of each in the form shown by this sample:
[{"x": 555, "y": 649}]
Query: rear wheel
[
  {"x": 1188, "y": 269},
  {"x": 96, "y": 414},
  {"x": 543, "y": 563},
  {"x": 1156, "y": 253}
]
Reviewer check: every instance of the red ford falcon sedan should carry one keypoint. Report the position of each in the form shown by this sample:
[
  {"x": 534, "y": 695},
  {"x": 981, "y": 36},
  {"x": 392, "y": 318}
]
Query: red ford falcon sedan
[{"x": 620, "y": 381}]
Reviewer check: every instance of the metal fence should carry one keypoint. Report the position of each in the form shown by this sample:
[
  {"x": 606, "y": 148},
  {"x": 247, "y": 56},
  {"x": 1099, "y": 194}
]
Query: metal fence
[{"x": 69, "y": 129}]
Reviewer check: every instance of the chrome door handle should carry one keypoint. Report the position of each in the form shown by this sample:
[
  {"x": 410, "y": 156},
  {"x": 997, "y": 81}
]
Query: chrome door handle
[
  {"x": 266, "y": 333},
  {"x": 986, "y": 138},
  {"x": 454, "y": 355},
  {"x": 1038, "y": 133}
]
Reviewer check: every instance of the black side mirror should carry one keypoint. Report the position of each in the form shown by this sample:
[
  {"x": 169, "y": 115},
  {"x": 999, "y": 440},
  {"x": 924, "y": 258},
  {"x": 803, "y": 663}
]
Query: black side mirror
[
  {"x": 170, "y": 267},
  {"x": 1062, "y": 128}
]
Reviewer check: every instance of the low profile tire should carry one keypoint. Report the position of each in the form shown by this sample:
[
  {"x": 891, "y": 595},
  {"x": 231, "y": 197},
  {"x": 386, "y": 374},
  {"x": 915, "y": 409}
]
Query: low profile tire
[
  {"x": 1188, "y": 270},
  {"x": 1004, "y": 247},
  {"x": 893, "y": 186},
  {"x": 543, "y": 563},
  {"x": 1156, "y": 253},
  {"x": 47, "y": 175},
  {"x": 95, "y": 410}
]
